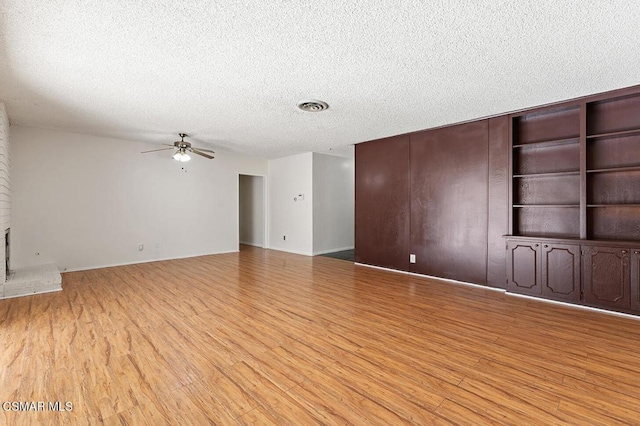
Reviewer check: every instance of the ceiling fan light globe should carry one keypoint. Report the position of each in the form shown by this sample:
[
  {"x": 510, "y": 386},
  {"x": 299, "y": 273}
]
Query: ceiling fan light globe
[{"x": 181, "y": 156}]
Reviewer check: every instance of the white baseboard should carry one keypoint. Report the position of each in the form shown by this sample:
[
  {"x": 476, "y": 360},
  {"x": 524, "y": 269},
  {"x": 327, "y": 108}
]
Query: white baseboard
[
  {"x": 571, "y": 305},
  {"x": 501, "y": 290},
  {"x": 87, "y": 268},
  {"x": 31, "y": 294},
  {"x": 431, "y": 277},
  {"x": 290, "y": 251},
  {"x": 382, "y": 268}
]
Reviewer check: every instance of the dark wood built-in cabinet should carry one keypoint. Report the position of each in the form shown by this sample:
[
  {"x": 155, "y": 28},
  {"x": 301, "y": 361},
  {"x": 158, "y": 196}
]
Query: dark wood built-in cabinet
[
  {"x": 613, "y": 168},
  {"x": 543, "y": 202},
  {"x": 607, "y": 277},
  {"x": 544, "y": 269},
  {"x": 575, "y": 196},
  {"x": 546, "y": 173},
  {"x": 524, "y": 267},
  {"x": 635, "y": 280},
  {"x": 561, "y": 271}
]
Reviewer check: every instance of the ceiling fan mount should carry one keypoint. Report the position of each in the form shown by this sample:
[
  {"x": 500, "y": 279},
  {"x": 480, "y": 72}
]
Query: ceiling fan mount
[{"x": 183, "y": 148}]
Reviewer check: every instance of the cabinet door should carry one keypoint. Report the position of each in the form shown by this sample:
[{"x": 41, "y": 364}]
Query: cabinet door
[
  {"x": 635, "y": 280},
  {"x": 561, "y": 272},
  {"x": 523, "y": 267},
  {"x": 607, "y": 277}
]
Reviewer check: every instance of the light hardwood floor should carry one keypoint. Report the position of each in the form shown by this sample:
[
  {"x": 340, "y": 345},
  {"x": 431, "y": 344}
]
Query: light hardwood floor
[{"x": 264, "y": 337}]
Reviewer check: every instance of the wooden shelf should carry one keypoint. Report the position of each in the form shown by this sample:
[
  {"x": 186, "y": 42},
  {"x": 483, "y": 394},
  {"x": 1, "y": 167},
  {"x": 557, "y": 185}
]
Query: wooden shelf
[
  {"x": 615, "y": 169},
  {"x": 542, "y": 237},
  {"x": 612, "y": 205},
  {"x": 550, "y": 174},
  {"x": 631, "y": 132},
  {"x": 570, "y": 239},
  {"x": 551, "y": 142},
  {"x": 545, "y": 205}
]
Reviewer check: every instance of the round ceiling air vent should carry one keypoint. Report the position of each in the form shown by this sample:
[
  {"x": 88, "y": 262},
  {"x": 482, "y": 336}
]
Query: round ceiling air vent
[{"x": 312, "y": 106}]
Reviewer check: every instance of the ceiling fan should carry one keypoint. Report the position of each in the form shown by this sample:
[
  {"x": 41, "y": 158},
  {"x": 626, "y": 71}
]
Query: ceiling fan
[{"x": 182, "y": 149}]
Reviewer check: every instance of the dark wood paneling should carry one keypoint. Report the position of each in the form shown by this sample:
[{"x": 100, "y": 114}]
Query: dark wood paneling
[
  {"x": 547, "y": 125},
  {"x": 561, "y": 272},
  {"x": 498, "y": 200},
  {"x": 546, "y": 159},
  {"x": 449, "y": 187},
  {"x": 635, "y": 280},
  {"x": 621, "y": 187},
  {"x": 605, "y": 153},
  {"x": 524, "y": 267},
  {"x": 556, "y": 222},
  {"x": 547, "y": 190},
  {"x": 614, "y": 115},
  {"x": 607, "y": 277},
  {"x": 382, "y": 202},
  {"x": 614, "y": 223}
]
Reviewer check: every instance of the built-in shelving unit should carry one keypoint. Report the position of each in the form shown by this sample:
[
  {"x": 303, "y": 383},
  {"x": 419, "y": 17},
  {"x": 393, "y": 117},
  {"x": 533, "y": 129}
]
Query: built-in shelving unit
[
  {"x": 578, "y": 157},
  {"x": 613, "y": 168},
  {"x": 575, "y": 202},
  {"x": 546, "y": 173}
]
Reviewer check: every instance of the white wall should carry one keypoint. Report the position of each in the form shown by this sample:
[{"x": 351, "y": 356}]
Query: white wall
[
  {"x": 5, "y": 190},
  {"x": 82, "y": 201},
  {"x": 288, "y": 178},
  {"x": 333, "y": 203},
  {"x": 251, "y": 210}
]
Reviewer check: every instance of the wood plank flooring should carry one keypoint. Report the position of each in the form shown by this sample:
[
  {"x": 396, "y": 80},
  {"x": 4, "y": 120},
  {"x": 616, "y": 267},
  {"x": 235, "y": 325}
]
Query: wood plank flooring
[{"x": 270, "y": 338}]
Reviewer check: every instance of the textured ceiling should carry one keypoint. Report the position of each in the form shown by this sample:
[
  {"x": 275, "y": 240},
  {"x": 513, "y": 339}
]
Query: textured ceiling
[{"x": 231, "y": 72}]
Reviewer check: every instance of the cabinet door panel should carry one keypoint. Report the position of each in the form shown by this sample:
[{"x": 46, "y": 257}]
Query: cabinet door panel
[
  {"x": 607, "y": 277},
  {"x": 523, "y": 267},
  {"x": 635, "y": 280},
  {"x": 561, "y": 271}
]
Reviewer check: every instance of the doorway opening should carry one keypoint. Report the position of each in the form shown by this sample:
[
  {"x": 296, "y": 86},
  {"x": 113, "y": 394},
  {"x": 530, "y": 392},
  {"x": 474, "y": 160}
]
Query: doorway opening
[{"x": 252, "y": 217}]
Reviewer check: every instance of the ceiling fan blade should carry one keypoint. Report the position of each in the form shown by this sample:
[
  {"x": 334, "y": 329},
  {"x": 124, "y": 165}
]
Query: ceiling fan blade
[
  {"x": 205, "y": 150},
  {"x": 154, "y": 150},
  {"x": 197, "y": 151}
]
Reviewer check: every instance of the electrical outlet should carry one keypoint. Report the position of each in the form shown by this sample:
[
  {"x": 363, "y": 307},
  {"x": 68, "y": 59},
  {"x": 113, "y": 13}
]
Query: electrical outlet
[
  {"x": 412, "y": 258},
  {"x": 140, "y": 247}
]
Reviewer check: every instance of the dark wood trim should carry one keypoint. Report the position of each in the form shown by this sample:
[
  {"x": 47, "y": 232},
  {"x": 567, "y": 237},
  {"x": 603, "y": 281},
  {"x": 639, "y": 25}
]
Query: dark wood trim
[
  {"x": 615, "y": 169},
  {"x": 550, "y": 142},
  {"x": 518, "y": 206},
  {"x": 583, "y": 171},
  {"x": 550, "y": 174},
  {"x": 614, "y": 134},
  {"x": 611, "y": 205},
  {"x": 612, "y": 243},
  {"x": 509, "y": 174}
]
